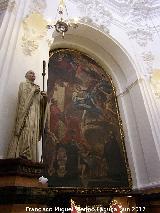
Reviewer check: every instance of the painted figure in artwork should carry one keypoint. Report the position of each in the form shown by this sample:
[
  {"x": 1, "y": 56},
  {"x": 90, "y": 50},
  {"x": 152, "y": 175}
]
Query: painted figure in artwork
[
  {"x": 29, "y": 120},
  {"x": 83, "y": 140}
]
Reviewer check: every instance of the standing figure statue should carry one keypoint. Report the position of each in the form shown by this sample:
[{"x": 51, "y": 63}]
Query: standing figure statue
[{"x": 29, "y": 120}]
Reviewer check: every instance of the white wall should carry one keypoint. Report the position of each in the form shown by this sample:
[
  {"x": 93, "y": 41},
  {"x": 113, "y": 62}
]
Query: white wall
[{"x": 115, "y": 53}]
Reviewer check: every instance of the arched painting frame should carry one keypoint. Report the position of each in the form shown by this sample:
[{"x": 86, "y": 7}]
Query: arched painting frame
[{"x": 84, "y": 141}]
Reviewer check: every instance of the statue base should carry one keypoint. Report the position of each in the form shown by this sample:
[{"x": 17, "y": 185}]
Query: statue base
[
  {"x": 19, "y": 185},
  {"x": 21, "y": 192},
  {"x": 20, "y": 172}
]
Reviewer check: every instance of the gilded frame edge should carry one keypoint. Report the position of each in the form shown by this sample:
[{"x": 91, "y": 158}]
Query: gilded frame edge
[{"x": 97, "y": 190}]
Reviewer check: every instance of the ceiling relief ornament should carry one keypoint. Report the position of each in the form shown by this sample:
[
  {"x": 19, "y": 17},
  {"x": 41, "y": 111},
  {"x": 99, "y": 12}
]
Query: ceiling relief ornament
[
  {"x": 155, "y": 82},
  {"x": 99, "y": 14},
  {"x": 95, "y": 14},
  {"x": 90, "y": 22},
  {"x": 34, "y": 29},
  {"x": 136, "y": 17},
  {"x": 142, "y": 36},
  {"x": 37, "y": 6}
]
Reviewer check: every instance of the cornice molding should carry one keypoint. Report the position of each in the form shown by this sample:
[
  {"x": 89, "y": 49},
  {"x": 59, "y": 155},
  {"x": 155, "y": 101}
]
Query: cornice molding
[{"x": 129, "y": 87}]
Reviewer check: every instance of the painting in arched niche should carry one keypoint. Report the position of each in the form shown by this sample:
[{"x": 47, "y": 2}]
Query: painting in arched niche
[{"x": 84, "y": 143}]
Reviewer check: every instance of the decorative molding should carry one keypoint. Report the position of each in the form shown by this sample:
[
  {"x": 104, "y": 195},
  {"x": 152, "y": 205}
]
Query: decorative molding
[
  {"x": 12, "y": 6},
  {"x": 141, "y": 35},
  {"x": 148, "y": 59},
  {"x": 155, "y": 82},
  {"x": 95, "y": 14},
  {"x": 29, "y": 46},
  {"x": 90, "y": 22},
  {"x": 127, "y": 89},
  {"x": 22, "y": 167},
  {"x": 135, "y": 17},
  {"x": 3, "y": 8},
  {"x": 34, "y": 29},
  {"x": 143, "y": 187},
  {"x": 50, "y": 41},
  {"x": 48, "y": 196},
  {"x": 25, "y": 195},
  {"x": 5, "y": 5},
  {"x": 37, "y": 6}
]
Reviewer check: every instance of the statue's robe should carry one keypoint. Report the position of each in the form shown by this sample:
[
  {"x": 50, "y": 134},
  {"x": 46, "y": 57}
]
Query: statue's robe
[{"x": 29, "y": 121}]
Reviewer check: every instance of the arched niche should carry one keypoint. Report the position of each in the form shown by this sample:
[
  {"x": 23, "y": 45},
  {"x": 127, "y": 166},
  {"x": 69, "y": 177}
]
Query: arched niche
[
  {"x": 117, "y": 62},
  {"x": 84, "y": 140}
]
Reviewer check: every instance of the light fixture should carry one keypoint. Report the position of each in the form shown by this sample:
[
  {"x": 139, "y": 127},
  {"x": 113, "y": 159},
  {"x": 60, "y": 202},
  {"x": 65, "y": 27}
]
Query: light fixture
[{"x": 62, "y": 22}]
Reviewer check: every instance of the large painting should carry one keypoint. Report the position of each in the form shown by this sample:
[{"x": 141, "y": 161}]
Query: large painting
[{"x": 84, "y": 142}]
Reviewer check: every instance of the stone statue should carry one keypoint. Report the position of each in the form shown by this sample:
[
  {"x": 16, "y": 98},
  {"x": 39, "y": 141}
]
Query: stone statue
[{"x": 29, "y": 120}]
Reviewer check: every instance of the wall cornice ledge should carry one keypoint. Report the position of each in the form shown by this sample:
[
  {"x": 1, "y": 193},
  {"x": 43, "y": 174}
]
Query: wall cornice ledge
[
  {"x": 129, "y": 87},
  {"x": 150, "y": 186}
]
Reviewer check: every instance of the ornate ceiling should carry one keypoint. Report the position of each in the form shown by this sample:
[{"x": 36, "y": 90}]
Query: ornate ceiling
[
  {"x": 137, "y": 17},
  {"x": 123, "y": 11}
]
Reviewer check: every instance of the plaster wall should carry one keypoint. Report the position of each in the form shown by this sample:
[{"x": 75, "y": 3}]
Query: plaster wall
[{"x": 138, "y": 107}]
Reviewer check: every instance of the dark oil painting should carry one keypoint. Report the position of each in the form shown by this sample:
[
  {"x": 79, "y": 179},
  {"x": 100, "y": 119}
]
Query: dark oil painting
[{"x": 84, "y": 142}]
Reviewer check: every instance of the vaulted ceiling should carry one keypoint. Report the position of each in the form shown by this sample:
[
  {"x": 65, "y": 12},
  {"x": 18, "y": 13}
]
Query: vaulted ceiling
[{"x": 139, "y": 18}]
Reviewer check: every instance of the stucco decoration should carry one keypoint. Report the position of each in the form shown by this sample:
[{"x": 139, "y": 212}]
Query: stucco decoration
[
  {"x": 6, "y": 5},
  {"x": 155, "y": 81},
  {"x": 12, "y": 6},
  {"x": 37, "y": 6},
  {"x": 90, "y": 21},
  {"x": 137, "y": 18},
  {"x": 148, "y": 59},
  {"x": 95, "y": 14},
  {"x": 142, "y": 36},
  {"x": 3, "y": 8},
  {"x": 34, "y": 29}
]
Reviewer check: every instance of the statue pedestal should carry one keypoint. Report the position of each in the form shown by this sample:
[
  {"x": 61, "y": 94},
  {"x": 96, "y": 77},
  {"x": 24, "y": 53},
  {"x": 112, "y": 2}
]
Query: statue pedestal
[
  {"x": 19, "y": 185},
  {"x": 20, "y": 172}
]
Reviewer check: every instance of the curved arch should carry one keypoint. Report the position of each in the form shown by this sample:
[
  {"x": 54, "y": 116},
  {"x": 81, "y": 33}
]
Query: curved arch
[
  {"x": 121, "y": 66},
  {"x": 89, "y": 39}
]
